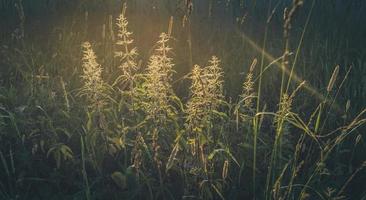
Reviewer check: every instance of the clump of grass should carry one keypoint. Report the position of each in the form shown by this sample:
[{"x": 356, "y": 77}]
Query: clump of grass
[
  {"x": 286, "y": 103},
  {"x": 245, "y": 107},
  {"x": 155, "y": 99},
  {"x": 206, "y": 96},
  {"x": 202, "y": 112},
  {"x": 129, "y": 148},
  {"x": 281, "y": 120},
  {"x": 248, "y": 88}
]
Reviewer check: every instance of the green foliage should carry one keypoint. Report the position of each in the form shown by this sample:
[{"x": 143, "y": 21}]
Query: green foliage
[{"x": 108, "y": 122}]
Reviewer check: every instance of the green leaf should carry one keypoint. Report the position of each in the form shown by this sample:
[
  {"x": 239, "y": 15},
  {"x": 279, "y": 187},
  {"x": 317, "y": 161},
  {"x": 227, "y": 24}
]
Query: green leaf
[
  {"x": 66, "y": 152},
  {"x": 89, "y": 122},
  {"x": 221, "y": 115},
  {"x": 203, "y": 139},
  {"x": 217, "y": 191},
  {"x": 213, "y": 153},
  {"x": 119, "y": 179}
]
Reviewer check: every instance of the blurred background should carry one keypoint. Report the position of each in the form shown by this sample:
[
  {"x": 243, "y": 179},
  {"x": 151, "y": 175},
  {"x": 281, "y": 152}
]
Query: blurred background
[{"x": 234, "y": 30}]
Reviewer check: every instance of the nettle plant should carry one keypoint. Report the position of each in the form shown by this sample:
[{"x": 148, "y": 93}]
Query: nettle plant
[
  {"x": 153, "y": 133},
  {"x": 206, "y": 142}
]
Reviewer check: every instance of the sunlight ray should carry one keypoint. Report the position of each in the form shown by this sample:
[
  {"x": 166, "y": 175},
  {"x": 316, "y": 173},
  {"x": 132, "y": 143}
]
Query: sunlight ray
[{"x": 277, "y": 63}]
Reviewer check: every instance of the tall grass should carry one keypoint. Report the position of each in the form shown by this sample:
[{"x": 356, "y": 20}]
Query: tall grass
[{"x": 111, "y": 122}]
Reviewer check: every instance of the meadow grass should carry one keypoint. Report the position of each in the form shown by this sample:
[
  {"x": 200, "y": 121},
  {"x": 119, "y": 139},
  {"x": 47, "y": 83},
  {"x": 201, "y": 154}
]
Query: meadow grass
[{"x": 85, "y": 115}]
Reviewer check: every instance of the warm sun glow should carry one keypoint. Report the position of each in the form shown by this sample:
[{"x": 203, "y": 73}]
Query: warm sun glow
[{"x": 147, "y": 99}]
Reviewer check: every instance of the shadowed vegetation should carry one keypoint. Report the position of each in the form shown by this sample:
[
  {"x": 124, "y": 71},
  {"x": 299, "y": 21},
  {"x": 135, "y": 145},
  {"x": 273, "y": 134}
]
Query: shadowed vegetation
[{"x": 183, "y": 99}]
